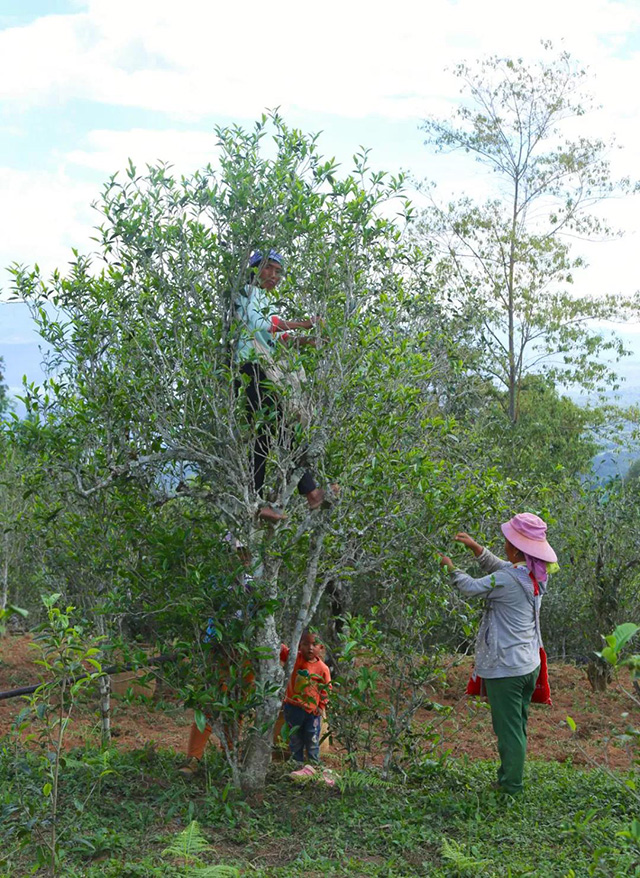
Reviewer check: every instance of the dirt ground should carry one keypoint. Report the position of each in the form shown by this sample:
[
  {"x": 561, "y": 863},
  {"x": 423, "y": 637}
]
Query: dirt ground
[{"x": 466, "y": 730}]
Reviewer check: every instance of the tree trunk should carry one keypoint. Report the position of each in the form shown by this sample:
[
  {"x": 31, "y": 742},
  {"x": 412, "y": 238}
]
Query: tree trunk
[
  {"x": 606, "y": 605},
  {"x": 513, "y": 377},
  {"x": 338, "y": 608},
  {"x": 260, "y": 743},
  {"x": 269, "y": 677},
  {"x": 4, "y": 592},
  {"x": 599, "y": 674},
  {"x": 104, "y": 685},
  {"x": 257, "y": 757}
]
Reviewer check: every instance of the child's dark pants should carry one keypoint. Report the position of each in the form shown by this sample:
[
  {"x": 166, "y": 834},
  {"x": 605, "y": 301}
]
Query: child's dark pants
[{"x": 305, "y": 733}]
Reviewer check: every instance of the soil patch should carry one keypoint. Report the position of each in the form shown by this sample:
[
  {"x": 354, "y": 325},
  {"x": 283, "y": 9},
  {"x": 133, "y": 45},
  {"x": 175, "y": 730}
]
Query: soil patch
[
  {"x": 600, "y": 718},
  {"x": 465, "y": 731}
]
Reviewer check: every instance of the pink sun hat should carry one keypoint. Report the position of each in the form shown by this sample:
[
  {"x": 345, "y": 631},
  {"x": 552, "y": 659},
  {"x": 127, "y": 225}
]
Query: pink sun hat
[{"x": 528, "y": 532}]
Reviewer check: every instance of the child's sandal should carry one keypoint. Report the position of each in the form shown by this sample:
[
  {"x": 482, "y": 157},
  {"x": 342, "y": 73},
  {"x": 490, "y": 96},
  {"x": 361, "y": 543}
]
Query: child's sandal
[{"x": 303, "y": 773}]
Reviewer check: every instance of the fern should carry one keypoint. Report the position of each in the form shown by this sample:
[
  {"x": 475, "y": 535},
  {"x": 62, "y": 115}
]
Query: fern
[
  {"x": 358, "y": 780},
  {"x": 462, "y": 862},
  {"x": 188, "y": 844}
]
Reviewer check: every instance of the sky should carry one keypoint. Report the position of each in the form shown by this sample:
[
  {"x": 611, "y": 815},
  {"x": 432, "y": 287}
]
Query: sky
[{"x": 87, "y": 84}]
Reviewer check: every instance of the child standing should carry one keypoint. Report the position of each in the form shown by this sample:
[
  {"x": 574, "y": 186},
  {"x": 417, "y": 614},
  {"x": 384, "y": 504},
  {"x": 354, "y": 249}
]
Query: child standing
[{"x": 306, "y": 698}]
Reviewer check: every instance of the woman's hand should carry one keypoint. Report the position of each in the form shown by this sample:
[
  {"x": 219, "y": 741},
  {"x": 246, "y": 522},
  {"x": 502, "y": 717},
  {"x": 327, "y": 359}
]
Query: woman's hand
[
  {"x": 469, "y": 542},
  {"x": 445, "y": 561}
]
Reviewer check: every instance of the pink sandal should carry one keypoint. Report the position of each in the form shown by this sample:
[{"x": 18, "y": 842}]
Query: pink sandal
[{"x": 303, "y": 773}]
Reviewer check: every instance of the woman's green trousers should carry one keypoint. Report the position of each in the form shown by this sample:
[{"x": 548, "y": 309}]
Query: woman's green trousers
[{"x": 510, "y": 698}]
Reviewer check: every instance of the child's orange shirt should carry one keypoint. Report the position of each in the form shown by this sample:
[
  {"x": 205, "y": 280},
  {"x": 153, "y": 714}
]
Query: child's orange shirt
[{"x": 309, "y": 684}]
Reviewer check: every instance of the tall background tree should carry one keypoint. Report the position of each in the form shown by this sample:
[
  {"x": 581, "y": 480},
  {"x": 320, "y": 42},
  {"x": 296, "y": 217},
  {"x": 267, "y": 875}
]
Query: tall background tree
[
  {"x": 506, "y": 263},
  {"x": 4, "y": 394}
]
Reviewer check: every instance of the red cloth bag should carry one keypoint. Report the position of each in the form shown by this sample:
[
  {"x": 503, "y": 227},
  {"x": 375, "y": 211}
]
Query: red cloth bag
[
  {"x": 476, "y": 686},
  {"x": 542, "y": 692}
]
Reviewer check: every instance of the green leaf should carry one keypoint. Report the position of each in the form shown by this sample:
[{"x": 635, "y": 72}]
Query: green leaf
[
  {"x": 571, "y": 723},
  {"x": 609, "y": 654},
  {"x": 46, "y": 789},
  {"x": 624, "y": 633},
  {"x": 200, "y": 720},
  {"x": 18, "y": 610}
]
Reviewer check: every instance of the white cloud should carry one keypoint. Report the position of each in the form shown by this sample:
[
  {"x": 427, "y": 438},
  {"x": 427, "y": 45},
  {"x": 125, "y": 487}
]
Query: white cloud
[
  {"x": 15, "y": 335},
  {"x": 45, "y": 213},
  {"x": 196, "y": 58},
  {"x": 41, "y": 214},
  {"x": 109, "y": 151}
]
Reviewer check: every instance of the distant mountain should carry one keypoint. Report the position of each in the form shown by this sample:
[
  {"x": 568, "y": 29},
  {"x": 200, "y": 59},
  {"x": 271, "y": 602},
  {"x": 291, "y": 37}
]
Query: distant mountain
[
  {"x": 614, "y": 463},
  {"x": 615, "y": 459},
  {"x": 628, "y": 395}
]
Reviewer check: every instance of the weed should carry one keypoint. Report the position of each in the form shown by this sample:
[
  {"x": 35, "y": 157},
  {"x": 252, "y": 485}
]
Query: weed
[
  {"x": 464, "y": 863},
  {"x": 65, "y": 656},
  {"x": 372, "y": 827}
]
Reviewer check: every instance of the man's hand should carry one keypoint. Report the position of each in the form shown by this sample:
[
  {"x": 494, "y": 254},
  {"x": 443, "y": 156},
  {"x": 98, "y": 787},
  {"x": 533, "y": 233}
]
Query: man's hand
[{"x": 301, "y": 341}]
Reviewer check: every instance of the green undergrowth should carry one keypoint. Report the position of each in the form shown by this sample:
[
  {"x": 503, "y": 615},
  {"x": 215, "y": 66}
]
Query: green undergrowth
[{"x": 440, "y": 820}]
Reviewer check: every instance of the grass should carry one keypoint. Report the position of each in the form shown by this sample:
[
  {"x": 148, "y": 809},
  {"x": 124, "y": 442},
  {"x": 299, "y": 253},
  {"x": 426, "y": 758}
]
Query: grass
[{"x": 443, "y": 820}]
